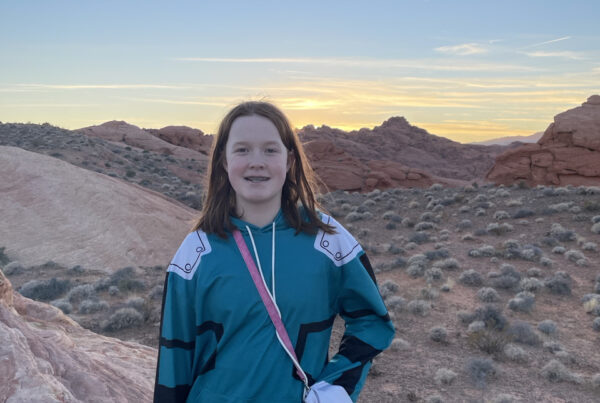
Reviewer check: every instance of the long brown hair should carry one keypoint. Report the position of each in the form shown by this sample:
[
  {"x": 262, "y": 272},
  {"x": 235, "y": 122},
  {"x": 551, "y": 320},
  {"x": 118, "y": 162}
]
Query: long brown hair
[{"x": 298, "y": 188}]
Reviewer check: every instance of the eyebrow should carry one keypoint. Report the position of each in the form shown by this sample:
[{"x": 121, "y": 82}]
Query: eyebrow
[{"x": 237, "y": 143}]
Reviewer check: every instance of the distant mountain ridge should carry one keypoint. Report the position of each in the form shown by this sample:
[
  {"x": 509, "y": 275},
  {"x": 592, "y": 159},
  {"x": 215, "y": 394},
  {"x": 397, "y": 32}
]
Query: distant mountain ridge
[{"x": 533, "y": 138}]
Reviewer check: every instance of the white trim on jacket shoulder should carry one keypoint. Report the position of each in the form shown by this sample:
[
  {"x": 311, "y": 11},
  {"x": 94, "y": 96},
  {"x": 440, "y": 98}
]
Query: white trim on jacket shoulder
[
  {"x": 187, "y": 258},
  {"x": 340, "y": 247}
]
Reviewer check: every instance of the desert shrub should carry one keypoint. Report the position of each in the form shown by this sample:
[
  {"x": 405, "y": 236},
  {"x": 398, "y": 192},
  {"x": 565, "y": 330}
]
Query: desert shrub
[
  {"x": 138, "y": 303},
  {"x": 418, "y": 259},
  {"x": 491, "y": 316},
  {"x": 424, "y": 226},
  {"x": 399, "y": 344},
  {"x": 126, "y": 280},
  {"x": 466, "y": 317},
  {"x": 476, "y": 326},
  {"x": 92, "y": 306},
  {"x": 44, "y": 290},
  {"x": 415, "y": 270},
  {"x": 4, "y": 259},
  {"x": 468, "y": 237},
  {"x": 555, "y": 372},
  {"x": 464, "y": 224},
  {"x": 501, "y": 215},
  {"x": 123, "y": 318},
  {"x": 590, "y": 246},
  {"x": 559, "y": 283},
  {"x": 447, "y": 264},
  {"x": 499, "y": 229},
  {"x": 530, "y": 253},
  {"x": 437, "y": 254},
  {"x": 548, "y": 327},
  {"x": 435, "y": 273},
  {"x": 390, "y": 226},
  {"x": 515, "y": 353},
  {"x": 398, "y": 263},
  {"x": 508, "y": 278},
  {"x": 522, "y": 302},
  {"x": 562, "y": 234},
  {"x": 444, "y": 376},
  {"x": 522, "y": 332},
  {"x": 113, "y": 290},
  {"x": 81, "y": 292},
  {"x": 470, "y": 278},
  {"x": 439, "y": 334},
  {"x": 76, "y": 270},
  {"x": 596, "y": 324},
  {"x": 464, "y": 209},
  {"x": 388, "y": 288},
  {"x": 429, "y": 293},
  {"x": 531, "y": 284},
  {"x": 553, "y": 346},
  {"x": 13, "y": 268},
  {"x": 574, "y": 255},
  {"x": 480, "y": 370},
  {"x": 395, "y": 303},
  {"x": 488, "y": 294},
  {"x": 63, "y": 305},
  {"x": 522, "y": 213},
  {"x": 419, "y": 307},
  {"x": 434, "y": 399},
  {"x": 156, "y": 292},
  {"x": 549, "y": 241},
  {"x": 559, "y": 250},
  {"x": 503, "y": 398},
  {"x": 534, "y": 272},
  {"x": 354, "y": 216},
  {"x": 419, "y": 237}
]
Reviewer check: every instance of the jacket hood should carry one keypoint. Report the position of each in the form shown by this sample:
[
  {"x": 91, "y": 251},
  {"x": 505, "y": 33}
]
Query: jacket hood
[{"x": 280, "y": 224}]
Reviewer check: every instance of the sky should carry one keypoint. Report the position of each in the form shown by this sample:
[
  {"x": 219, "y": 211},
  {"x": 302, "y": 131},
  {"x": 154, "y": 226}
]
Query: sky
[{"x": 466, "y": 70}]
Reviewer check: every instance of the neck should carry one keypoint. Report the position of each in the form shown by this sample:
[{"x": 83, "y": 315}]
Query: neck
[{"x": 259, "y": 215}]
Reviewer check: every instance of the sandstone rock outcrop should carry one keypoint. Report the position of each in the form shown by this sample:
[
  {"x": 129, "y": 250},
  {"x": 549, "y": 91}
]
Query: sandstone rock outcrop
[
  {"x": 567, "y": 154},
  {"x": 339, "y": 170},
  {"x": 184, "y": 136},
  {"x": 47, "y": 357},
  {"x": 398, "y": 141},
  {"x": 123, "y": 132},
  {"x": 52, "y": 210}
]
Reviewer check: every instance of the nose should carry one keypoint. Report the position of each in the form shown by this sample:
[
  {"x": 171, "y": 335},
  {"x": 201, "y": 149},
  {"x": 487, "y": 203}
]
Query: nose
[{"x": 256, "y": 160}]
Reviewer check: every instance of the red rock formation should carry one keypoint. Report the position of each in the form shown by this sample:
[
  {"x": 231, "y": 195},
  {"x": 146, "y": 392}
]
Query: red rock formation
[
  {"x": 47, "y": 357},
  {"x": 184, "y": 136},
  {"x": 396, "y": 140},
  {"x": 568, "y": 153},
  {"x": 125, "y": 133},
  {"x": 337, "y": 169}
]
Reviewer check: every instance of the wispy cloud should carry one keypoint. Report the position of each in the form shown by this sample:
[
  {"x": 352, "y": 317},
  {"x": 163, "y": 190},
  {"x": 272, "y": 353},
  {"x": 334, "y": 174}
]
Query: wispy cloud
[
  {"x": 565, "y": 54},
  {"x": 564, "y": 38},
  {"x": 98, "y": 86},
  {"x": 416, "y": 64},
  {"x": 464, "y": 49}
]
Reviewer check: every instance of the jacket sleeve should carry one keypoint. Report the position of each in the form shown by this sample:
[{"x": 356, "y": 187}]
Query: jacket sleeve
[
  {"x": 369, "y": 329},
  {"x": 177, "y": 352}
]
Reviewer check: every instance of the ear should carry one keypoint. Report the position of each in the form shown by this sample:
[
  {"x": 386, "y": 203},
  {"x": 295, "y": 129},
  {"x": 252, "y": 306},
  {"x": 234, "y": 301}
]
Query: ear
[{"x": 225, "y": 164}]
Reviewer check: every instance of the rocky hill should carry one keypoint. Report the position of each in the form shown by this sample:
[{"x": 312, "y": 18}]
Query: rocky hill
[
  {"x": 567, "y": 153},
  {"x": 398, "y": 141}
]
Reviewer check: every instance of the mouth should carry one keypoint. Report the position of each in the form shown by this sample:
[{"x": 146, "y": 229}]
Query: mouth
[{"x": 256, "y": 179}]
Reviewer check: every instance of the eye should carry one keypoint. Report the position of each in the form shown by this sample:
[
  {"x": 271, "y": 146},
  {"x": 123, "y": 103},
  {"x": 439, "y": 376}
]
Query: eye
[
  {"x": 271, "y": 150},
  {"x": 240, "y": 149}
]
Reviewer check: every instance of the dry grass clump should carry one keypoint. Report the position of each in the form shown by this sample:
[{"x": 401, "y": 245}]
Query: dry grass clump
[
  {"x": 123, "y": 318},
  {"x": 508, "y": 277},
  {"x": 63, "y": 305},
  {"x": 515, "y": 353},
  {"x": 395, "y": 303},
  {"x": 90, "y": 306},
  {"x": 483, "y": 251},
  {"x": 419, "y": 307},
  {"x": 44, "y": 290},
  {"x": 523, "y": 332},
  {"x": 399, "y": 344},
  {"x": 531, "y": 284},
  {"x": 499, "y": 229},
  {"x": 81, "y": 292},
  {"x": 562, "y": 234},
  {"x": 388, "y": 288}
]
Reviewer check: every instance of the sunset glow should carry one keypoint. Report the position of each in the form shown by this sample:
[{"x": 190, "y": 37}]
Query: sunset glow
[{"x": 451, "y": 69}]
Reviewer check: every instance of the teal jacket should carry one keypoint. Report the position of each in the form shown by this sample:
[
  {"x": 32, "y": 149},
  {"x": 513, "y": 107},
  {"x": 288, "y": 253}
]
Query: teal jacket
[{"x": 217, "y": 342}]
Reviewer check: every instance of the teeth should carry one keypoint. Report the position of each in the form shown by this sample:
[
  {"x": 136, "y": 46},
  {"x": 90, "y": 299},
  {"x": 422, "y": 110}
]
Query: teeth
[{"x": 256, "y": 178}]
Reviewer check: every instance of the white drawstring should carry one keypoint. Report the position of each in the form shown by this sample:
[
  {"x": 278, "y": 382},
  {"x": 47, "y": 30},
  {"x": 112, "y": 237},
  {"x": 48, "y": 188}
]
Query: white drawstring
[{"x": 272, "y": 295}]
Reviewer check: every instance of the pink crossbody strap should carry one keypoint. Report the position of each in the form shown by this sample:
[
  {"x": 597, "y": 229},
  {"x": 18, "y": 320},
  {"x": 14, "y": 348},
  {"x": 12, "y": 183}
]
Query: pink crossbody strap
[{"x": 268, "y": 302}]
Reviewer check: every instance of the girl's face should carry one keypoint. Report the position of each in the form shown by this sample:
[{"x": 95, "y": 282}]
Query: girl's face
[{"x": 256, "y": 162}]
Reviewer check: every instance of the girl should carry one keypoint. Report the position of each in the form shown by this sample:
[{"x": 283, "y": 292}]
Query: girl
[{"x": 217, "y": 341}]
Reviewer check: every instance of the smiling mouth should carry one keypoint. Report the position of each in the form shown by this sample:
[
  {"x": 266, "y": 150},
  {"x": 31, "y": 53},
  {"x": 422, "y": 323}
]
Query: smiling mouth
[{"x": 256, "y": 178}]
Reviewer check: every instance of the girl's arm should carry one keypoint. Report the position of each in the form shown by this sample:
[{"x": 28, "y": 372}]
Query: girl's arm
[
  {"x": 179, "y": 362},
  {"x": 369, "y": 329}
]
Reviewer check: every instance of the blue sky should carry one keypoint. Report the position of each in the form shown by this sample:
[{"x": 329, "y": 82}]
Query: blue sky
[{"x": 466, "y": 70}]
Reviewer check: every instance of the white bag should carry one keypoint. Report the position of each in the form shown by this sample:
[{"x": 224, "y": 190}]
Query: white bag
[{"x": 323, "y": 392}]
